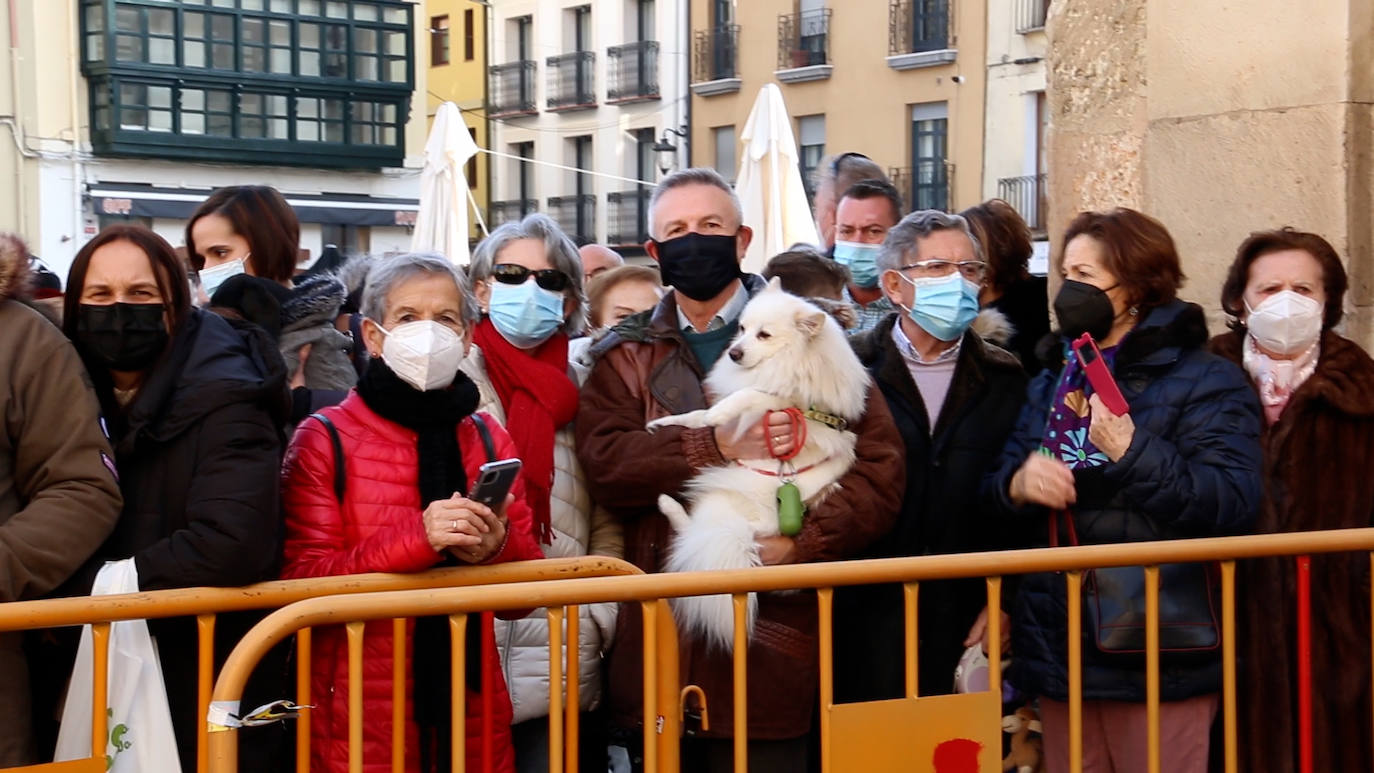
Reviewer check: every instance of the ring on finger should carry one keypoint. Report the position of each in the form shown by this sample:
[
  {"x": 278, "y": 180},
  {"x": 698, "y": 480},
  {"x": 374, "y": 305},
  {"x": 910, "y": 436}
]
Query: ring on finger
[{"x": 453, "y": 525}]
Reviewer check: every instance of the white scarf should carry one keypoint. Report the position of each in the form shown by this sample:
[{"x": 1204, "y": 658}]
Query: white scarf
[{"x": 1278, "y": 379}]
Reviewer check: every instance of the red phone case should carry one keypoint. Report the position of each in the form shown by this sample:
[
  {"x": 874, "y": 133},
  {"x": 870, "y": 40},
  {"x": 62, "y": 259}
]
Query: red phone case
[{"x": 1090, "y": 358}]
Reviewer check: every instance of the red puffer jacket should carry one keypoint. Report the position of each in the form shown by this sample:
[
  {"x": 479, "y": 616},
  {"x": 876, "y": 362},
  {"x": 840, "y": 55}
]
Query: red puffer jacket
[{"x": 378, "y": 529}]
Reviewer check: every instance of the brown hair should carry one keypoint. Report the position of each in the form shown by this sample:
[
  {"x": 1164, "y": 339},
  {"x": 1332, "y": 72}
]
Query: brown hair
[
  {"x": 1261, "y": 243},
  {"x": 260, "y": 215},
  {"x": 1138, "y": 250},
  {"x": 807, "y": 273},
  {"x": 1006, "y": 240},
  {"x": 172, "y": 284},
  {"x": 604, "y": 282}
]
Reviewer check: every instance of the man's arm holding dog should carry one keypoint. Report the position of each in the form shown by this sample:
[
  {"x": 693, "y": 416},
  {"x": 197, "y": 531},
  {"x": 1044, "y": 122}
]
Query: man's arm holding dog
[{"x": 865, "y": 505}]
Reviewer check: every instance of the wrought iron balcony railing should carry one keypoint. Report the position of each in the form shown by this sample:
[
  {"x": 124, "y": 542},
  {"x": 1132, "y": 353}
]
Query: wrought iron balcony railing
[
  {"x": 627, "y": 216},
  {"x": 572, "y": 80},
  {"x": 576, "y": 215},
  {"x": 632, "y": 72},
  {"x": 512, "y": 89},
  {"x": 1030, "y": 15},
  {"x": 915, "y": 26},
  {"x": 509, "y": 211},
  {"x": 715, "y": 52},
  {"x": 928, "y": 185},
  {"x": 804, "y": 39},
  {"x": 1027, "y": 196}
]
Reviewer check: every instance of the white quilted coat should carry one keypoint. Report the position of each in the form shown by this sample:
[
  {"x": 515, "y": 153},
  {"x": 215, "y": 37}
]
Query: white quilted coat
[{"x": 579, "y": 529}]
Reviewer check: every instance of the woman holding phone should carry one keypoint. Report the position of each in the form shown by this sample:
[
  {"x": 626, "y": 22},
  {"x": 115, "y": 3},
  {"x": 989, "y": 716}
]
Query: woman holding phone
[
  {"x": 411, "y": 443},
  {"x": 1182, "y": 461}
]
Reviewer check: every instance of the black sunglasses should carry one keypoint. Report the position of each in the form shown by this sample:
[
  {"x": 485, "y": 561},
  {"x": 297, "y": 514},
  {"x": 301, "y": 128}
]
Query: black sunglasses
[{"x": 513, "y": 274}]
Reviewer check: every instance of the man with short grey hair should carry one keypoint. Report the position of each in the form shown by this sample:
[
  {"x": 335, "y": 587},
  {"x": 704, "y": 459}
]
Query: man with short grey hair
[
  {"x": 955, "y": 399},
  {"x": 652, "y": 365}
]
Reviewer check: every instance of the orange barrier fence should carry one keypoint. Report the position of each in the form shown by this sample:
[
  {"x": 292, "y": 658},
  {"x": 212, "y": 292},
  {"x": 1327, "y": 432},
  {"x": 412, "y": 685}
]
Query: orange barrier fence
[
  {"x": 206, "y": 603},
  {"x": 876, "y": 736}
]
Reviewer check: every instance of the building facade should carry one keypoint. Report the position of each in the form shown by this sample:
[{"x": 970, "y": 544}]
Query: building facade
[
  {"x": 134, "y": 110},
  {"x": 577, "y": 86},
  {"x": 901, "y": 81},
  {"x": 1015, "y": 167},
  {"x": 457, "y": 62}
]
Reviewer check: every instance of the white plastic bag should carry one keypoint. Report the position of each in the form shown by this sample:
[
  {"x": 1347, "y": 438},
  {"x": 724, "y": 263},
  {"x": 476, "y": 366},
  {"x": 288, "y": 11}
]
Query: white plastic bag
[{"x": 138, "y": 719}]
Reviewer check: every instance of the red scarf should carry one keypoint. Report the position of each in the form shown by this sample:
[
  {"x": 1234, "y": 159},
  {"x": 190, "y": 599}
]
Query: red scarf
[{"x": 539, "y": 399}]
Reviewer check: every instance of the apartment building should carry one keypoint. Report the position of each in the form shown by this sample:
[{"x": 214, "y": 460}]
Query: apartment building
[
  {"x": 901, "y": 81},
  {"x": 458, "y": 34},
  {"x": 1014, "y": 161},
  {"x": 577, "y": 86}
]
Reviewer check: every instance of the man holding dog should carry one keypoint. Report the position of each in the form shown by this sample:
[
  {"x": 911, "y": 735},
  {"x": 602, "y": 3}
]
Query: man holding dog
[
  {"x": 652, "y": 365},
  {"x": 955, "y": 399}
]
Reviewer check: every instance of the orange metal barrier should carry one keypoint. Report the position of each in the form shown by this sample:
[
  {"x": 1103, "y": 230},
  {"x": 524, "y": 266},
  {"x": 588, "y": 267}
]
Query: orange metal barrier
[
  {"x": 205, "y": 603},
  {"x": 869, "y": 737}
]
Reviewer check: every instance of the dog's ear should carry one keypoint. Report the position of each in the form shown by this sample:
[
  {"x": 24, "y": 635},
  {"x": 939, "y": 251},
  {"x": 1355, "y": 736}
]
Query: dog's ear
[
  {"x": 810, "y": 322},
  {"x": 775, "y": 284}
]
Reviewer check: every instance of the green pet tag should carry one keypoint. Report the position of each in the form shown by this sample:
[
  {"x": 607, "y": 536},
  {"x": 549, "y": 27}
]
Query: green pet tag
[{"x": 790, "y": 509}]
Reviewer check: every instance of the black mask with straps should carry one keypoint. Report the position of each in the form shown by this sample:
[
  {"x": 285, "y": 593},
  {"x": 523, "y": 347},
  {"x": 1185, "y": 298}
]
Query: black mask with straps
[
  {"x": 126, "y": 337},
  {"x": 1084, "y": 308},
  {"x": 699, "y": 266}
]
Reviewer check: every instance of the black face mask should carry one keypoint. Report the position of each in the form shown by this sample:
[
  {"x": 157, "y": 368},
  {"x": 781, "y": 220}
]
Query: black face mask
[
  {"x": 697, "y": 265},
  {"x": 1082, "y": 308},
  {"x": 122, "y": 336}
]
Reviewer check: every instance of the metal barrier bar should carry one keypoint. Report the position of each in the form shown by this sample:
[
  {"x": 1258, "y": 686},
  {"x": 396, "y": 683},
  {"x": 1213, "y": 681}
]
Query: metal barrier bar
[
  {"x": 825, "y": 604},
  {"x": 1152, "y": 666},
  {"x": 910, "y": 593},
  {"x": 398, "y": 695},
  {"x": 573, "y": 742},
  {"x": 556, "y": 721},
  {"x": 303, "y": 698},
  {"x": 740, "y": 658},
  {"x": 488, "y": 650},
  {"x": 1073, "y": 581},
  {"x": 205, "y": 669},
  {"x": 458, "y": 634},
  {"x": 995, "y": 635},
  {"x": 650, "y": 612},
  {"x": 100, "y": 683},
  {"x": 1304, "y": 567},
  {"x": 355, "y": 696},
  {"x": 1228, "y": 663}
]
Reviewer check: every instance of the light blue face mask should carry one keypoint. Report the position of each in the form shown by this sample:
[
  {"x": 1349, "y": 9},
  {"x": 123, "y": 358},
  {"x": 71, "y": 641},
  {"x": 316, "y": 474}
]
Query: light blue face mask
[
  {"x": 943, "y": 306},
  {"x": 525, "y": 314},
  {"x": 861, "y": 260}
]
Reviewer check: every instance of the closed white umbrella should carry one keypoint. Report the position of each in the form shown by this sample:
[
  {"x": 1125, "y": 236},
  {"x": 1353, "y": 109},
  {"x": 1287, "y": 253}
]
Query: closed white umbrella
[
  {"x": 441, "y": 225},
  {"x": 770, "y": 184}
]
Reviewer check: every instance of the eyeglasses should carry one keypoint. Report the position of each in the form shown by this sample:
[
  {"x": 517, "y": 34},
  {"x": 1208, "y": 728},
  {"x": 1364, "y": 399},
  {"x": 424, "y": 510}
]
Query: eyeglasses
[
  {"x": 972, "y": 270},
  {"x": 513, "y": 274}
]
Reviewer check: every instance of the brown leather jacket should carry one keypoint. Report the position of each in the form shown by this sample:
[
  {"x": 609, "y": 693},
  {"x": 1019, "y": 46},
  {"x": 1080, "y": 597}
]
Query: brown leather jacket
[{"x": 645, "y": 370}]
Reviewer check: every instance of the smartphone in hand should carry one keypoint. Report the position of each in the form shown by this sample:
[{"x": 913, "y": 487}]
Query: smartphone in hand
[
  {"x": 494, "y": 481},
  {"x": 1090, "y": 358}
]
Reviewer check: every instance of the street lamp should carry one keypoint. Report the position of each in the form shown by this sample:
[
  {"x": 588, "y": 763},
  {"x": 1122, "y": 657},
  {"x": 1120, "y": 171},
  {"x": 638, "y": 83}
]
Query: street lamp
[{"x": 667, "y": 149}]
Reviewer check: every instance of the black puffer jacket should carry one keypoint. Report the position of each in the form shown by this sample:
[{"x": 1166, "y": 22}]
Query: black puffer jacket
[{"x": 1192, "y": 470}]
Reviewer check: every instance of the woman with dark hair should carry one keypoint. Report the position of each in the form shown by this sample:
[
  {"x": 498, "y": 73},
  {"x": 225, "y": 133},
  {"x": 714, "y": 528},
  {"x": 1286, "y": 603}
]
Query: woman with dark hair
[
  {"x": 1010, "y": 289},
  {"x": 193, "y": 404},
  {"x": 1182, "y": 461},
  {"x": 1284, "y": 294},
  {"x": 250, "y": 229}
]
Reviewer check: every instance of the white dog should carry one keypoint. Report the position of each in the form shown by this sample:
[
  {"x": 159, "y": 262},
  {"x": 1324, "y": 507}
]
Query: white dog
[{"x": 788, "y": 354}]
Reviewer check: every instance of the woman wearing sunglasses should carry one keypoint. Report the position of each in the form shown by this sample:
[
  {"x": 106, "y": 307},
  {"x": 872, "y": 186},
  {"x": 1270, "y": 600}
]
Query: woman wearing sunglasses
[{"x": 528, "y": 280}]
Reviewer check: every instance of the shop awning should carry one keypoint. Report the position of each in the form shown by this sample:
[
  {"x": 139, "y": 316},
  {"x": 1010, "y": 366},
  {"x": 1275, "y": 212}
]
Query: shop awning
[{"x": 141, "y": 200}]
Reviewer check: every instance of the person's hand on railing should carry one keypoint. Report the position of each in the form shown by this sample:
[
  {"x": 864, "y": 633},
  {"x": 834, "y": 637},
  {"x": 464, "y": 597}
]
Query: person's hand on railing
[
  {"x": 1043, "y": 480},
  {"x": 1111, "y": 434},
  {"x": 978, "y": 634},
  {"x": 468, "y": 528}
]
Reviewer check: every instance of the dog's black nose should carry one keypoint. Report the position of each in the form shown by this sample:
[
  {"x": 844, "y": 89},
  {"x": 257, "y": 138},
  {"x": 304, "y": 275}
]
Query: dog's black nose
[{"x": 736, "y": 354}]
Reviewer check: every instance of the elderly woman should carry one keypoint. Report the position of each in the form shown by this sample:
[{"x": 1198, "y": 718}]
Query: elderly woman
[
  {"x": 192, "y": 404},
  {"x": 1284, "y": 293},
  {"x": 528, "y": 280},
  {"x": 411, "y": 443},
  {"x": 1183, "y": 461}
]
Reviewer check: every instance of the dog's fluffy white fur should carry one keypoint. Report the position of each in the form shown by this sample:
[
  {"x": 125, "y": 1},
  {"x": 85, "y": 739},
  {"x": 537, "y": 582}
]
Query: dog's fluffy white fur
[{"x": 788, "y": 354}]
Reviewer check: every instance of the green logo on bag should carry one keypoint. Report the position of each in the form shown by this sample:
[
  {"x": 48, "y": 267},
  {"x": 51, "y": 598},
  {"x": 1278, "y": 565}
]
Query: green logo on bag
[{"x": 117, "y": 735}]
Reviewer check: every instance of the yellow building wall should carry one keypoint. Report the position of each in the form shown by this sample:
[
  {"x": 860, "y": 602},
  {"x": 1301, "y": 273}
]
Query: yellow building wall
[
  {"x": 462, "y": 82},
  {"x": 867, "y": 104}
]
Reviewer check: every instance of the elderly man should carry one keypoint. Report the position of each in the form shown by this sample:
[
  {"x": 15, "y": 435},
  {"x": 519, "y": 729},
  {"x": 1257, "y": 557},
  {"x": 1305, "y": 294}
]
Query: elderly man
[
  {"x": 652, "y": 365},
  {"x": 598, "y": 259},
  {"x": 833, "y": 176},
  {"x": 954, "y": 398},
  {"x": 866, "y": 211}
]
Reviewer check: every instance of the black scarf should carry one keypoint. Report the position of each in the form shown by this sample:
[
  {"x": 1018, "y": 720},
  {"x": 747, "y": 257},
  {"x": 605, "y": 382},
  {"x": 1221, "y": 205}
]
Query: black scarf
[{"x": 434, "y": 415}]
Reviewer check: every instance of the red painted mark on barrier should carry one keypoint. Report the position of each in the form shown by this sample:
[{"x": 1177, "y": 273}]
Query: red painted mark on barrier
[{"x": 959, "y": 755}]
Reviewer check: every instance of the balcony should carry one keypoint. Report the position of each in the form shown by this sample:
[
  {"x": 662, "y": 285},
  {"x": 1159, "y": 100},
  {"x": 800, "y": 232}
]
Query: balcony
[
  {"x": 1030, "y": 15},
  {"x": 512, "y": 89},
  {"x": 919, "y": 34},
  {"x": 510, "y": 211},
  {"x": 929, "y": 185},
  {"x": 804, "y": 46},
  {"x": 1027, "y": 196},
  {"x": 715, "y": 53},
  {"x": 576, "y": 215},
  {"x": 632, "y": 70},
  {"x": 627, "y": 217},
  {"x": 572, "y": 81}
]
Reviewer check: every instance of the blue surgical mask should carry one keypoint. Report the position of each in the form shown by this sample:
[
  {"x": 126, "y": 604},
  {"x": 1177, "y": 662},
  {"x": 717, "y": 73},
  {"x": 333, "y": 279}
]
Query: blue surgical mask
[
  {"x": 943, "y": 306},
  {"x": 525, "y": 314},
  {"x": 861, "y": 260}
]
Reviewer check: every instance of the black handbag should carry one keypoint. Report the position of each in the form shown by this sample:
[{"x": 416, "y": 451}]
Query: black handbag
[{"x": 1114, "y": 604}]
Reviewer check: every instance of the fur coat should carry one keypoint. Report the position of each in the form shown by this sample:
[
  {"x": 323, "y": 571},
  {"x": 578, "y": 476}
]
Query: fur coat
[
  {"x": 1316, "y": 476},
  {"x": 308, "y": 318}
]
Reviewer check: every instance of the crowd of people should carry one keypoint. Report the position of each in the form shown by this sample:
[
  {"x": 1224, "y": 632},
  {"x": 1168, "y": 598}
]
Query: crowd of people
[{"x": 223, "y": 418}]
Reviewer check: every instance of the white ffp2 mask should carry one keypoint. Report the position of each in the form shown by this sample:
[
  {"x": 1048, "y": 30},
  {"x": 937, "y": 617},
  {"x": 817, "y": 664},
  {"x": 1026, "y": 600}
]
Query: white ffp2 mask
[
  {"x": 1285, "y": 323},
  {"x": 424, "y": 354}
]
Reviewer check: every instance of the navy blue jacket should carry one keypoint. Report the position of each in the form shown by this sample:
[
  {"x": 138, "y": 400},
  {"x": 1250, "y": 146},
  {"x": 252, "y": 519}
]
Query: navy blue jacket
[{"x": 1192, "y": 470}]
